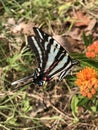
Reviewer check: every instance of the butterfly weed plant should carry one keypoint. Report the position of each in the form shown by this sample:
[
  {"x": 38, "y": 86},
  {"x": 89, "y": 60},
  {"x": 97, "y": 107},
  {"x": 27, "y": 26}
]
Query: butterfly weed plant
[{"x": 87, "y": 79}]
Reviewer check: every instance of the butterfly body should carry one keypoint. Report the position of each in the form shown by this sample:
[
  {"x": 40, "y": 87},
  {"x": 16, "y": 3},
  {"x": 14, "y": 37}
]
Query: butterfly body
[
  {"x": 40, "y": 78},
  {"x": 53, "y": 59}
]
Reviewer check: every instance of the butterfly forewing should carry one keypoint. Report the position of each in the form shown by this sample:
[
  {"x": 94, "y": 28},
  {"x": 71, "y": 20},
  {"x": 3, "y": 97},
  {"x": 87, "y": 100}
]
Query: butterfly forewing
[
  {"x": 53, "y": 50},
  {"x": 38, "y": 49},
  {"x": 41, "y": 34}
]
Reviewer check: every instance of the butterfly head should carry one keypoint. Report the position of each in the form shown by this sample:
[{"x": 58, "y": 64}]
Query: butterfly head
[{"x": 39, "y": 80}]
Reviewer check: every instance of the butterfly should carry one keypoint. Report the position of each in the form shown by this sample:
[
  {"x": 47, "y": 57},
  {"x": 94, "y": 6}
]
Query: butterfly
[{"x": 53, "y": 59}]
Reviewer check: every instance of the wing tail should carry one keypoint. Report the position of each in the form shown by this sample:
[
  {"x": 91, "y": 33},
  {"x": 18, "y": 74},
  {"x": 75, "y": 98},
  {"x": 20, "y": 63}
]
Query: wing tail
[
  {"x": 68, "y": 69},
  {"x": 24, "y": 81}
]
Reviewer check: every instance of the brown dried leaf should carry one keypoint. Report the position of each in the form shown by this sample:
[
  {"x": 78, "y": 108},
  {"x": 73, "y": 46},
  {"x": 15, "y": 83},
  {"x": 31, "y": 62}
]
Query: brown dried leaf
[
  {"x": 91, "y": 25},
  {"x": 11, "y": 21},
  {"x": 76, "y": 46},
  {"x": 62, "y": 41},
  {"x": 81, "y": 19},
  {"x": 25, "y": 28},
  {"x": 69, "y": 43},
  {"x": 75, "y": 34}
]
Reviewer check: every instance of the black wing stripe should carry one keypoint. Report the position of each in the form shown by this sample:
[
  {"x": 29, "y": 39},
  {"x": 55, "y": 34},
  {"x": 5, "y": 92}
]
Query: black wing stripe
[
  {"x": 47, "y": 40},
  {"x": 53, "y": 52},
  {"x": 44, "y": 40},
  {"x": 59, "y": 57},
  {"x": 61, "y": 73},
  {"x": 40, "y": 34},
  {"x": 62, "y": 65},
  {"x": 65, "y": 72},
  {"x": 50, "y": 55},
  {"x": 37, "y": 48},
  {"x": 56, "y": 53}
]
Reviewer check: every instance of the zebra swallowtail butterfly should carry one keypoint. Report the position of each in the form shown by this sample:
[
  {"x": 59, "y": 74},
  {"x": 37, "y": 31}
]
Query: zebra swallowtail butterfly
[{"x": 52, "y": 59}]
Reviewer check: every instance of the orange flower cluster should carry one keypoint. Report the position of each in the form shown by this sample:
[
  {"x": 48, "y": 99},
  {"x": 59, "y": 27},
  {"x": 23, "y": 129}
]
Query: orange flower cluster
[
  {"x": 87, "y": 80},
  {"x": 92, "y": 50}
]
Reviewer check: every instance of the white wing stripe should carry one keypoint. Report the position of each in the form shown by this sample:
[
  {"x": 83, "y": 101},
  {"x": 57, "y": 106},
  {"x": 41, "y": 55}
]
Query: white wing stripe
[
  {"x": 47, "y": 42},
  {"x": 61, "y": 72},
  {"x": 66, "y": 71},
  {"x": 55, "y": 43},
  {"x": 40, "y": 35},
  {"x": 51, "y": 56},
  {"x": 60, "y": 65},
  {"x": 53, "y": 52},
  {"x": 39, "y": 50}
]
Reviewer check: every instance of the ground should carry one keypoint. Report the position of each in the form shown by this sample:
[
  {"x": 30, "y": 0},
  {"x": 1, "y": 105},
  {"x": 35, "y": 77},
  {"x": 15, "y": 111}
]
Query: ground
[{"x": 56, "y": 105}]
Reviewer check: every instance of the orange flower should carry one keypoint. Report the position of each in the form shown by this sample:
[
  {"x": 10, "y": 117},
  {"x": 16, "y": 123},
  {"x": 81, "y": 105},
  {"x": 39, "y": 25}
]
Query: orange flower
[
  {"x": 92, "y": 50},
  {"x": 87, "y": 80},
  {"x": 90, "y": 54},
  {"x": 93, "y": 91},
  {"x": 89, "y": 95}
]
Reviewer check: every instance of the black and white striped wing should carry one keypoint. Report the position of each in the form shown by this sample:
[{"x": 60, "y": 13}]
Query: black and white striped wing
[
  {"x": 53, "y": 58},
  {"x": 38, "y": 49}
]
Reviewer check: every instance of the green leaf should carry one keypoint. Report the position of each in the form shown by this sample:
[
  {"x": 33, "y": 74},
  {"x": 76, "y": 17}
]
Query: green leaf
[
  {"x": 93, "y": 108},
  {"x": 84, "y": 61},
  {"x": 26, "y": 107},
  {"x": 74, "y": 107},
  {"x": 83, "y": 101},
  {"x": 87, "y": 39},
  {"x": 63, "y": 8},
  {"x": 74, "y": 103},
  {"x": 12, "y": 121}
]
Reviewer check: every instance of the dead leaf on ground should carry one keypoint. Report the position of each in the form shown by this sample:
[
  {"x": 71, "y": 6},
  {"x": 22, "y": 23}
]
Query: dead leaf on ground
[
  {"x": 91, "y": 25},
  {"x": 75, "y": 34},
  {"x": 62, "y": 41},
  {"x": 82, "y": 19},
  {"x": 76, "y": 46},
  {"x": 69, "y": 43},
  {"x": 19, "y": 27},
  {"x": 11, "y": 21},
  {"x": 25, "y": 28}
]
